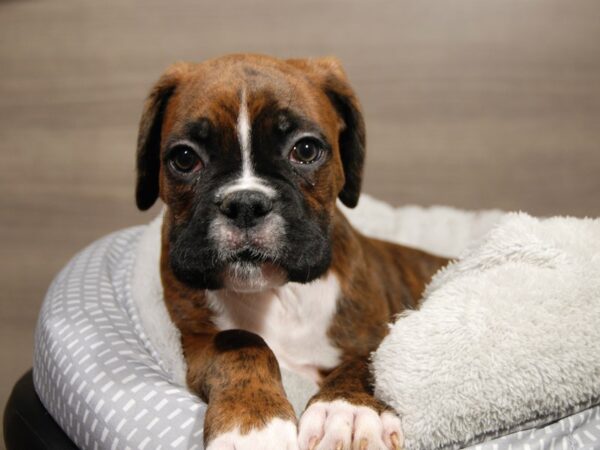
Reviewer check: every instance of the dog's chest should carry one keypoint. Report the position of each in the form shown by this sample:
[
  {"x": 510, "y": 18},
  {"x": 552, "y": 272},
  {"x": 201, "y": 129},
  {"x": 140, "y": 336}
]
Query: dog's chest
[{"x": 293, "y": 320}]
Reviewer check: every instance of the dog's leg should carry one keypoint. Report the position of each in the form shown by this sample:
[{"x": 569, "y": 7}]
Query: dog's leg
[
  {"x": 345, "y": 415},
  {"x": 237, "y": 374}
]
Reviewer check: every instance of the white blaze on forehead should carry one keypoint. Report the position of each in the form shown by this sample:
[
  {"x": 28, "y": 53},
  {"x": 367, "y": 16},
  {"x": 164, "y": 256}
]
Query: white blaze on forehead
[
  {"x": 248, "y": 180},
  {"x": 244, "y": 131}
]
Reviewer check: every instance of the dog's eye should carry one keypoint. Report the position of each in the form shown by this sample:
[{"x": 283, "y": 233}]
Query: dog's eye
[
  {"x": 306, "y": 151},
  {"x": 185, "y": 159}
]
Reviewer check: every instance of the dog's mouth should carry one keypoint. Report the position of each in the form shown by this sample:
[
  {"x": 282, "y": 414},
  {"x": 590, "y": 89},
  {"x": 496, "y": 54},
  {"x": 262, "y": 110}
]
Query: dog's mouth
[
  {"x": 249, "y": 254},
  {"x": 245, "y": 260},
  {"x": 257, "y": 245}
]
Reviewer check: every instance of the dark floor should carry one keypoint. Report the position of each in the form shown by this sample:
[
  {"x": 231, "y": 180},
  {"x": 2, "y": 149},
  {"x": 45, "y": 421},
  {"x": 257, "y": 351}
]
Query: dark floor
[{"x": 468, "y": 103}]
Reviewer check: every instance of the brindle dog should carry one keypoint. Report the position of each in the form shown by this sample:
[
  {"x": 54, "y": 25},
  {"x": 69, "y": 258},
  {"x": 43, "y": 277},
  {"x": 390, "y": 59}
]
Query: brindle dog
[{"x": 259, "y": 266}]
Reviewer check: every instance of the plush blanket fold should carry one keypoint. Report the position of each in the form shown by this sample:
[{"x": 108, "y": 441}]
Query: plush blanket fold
[{"x": 507, "y": 337}]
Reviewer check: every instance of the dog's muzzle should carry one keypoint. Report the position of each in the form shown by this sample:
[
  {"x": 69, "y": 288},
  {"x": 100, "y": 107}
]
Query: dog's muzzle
[
  {"x": 247, "y": 227},
  {"x": 249, "y": 236}
]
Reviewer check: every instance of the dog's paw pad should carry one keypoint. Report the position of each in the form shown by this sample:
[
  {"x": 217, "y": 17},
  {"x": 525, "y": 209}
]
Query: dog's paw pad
[{"x": 341, "y": 425}]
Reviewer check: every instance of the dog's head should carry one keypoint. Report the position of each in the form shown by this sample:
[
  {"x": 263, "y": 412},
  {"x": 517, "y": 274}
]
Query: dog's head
[{"x": 250, "y": 153}]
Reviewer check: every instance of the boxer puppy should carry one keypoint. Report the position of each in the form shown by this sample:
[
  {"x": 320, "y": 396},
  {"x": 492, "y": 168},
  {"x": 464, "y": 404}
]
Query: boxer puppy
[{"x": 260, "y": 269}]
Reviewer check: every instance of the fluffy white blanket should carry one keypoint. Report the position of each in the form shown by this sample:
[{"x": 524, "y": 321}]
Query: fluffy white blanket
[{"x": 507, "y": 337}]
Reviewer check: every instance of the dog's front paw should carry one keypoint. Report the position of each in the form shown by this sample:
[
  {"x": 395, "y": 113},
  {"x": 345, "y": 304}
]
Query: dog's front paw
[
  {"x": 278, "y": 434},
  {"x": 340, "y": 425}
]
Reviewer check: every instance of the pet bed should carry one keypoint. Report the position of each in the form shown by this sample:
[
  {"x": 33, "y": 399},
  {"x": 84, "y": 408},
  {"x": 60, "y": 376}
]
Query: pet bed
[{"x": 108, "y": 364}]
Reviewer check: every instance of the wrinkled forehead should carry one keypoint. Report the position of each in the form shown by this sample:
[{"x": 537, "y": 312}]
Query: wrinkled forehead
[{"x": 216, "y": 96}]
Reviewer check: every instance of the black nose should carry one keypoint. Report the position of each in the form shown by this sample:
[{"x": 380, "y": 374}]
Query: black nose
[{"x": 246, "y": 207}]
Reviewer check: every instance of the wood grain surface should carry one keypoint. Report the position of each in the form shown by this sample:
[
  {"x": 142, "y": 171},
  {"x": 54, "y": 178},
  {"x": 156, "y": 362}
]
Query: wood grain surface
[{"x": 470, "y": 103}]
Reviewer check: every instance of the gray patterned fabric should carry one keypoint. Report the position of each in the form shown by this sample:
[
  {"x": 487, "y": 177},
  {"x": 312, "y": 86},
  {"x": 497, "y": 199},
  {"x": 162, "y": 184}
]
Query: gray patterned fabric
[
  {"x": 97, "y": 375},
  {"x": 579, "y": 431},
  {"x": 92, "y": 369}
]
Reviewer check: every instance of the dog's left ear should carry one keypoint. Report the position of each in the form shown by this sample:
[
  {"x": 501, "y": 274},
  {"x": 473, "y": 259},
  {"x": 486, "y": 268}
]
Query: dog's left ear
[
  {"x": 149, "y": 135},
  {"x": 352, "y": 139}
]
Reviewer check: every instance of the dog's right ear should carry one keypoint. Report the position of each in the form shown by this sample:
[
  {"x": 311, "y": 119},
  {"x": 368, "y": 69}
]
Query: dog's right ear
[{"x": 149, "y": 135}]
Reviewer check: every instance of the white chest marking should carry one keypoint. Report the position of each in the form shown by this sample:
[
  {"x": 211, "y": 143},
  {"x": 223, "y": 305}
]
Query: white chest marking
[
  {"x": 292, "y": 319},
  {"x": 248, "y": 179}
]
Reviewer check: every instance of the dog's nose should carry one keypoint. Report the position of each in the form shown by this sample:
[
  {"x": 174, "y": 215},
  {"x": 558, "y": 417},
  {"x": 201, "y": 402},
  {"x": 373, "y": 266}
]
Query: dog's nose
[{"x": 246, "y": 207}]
